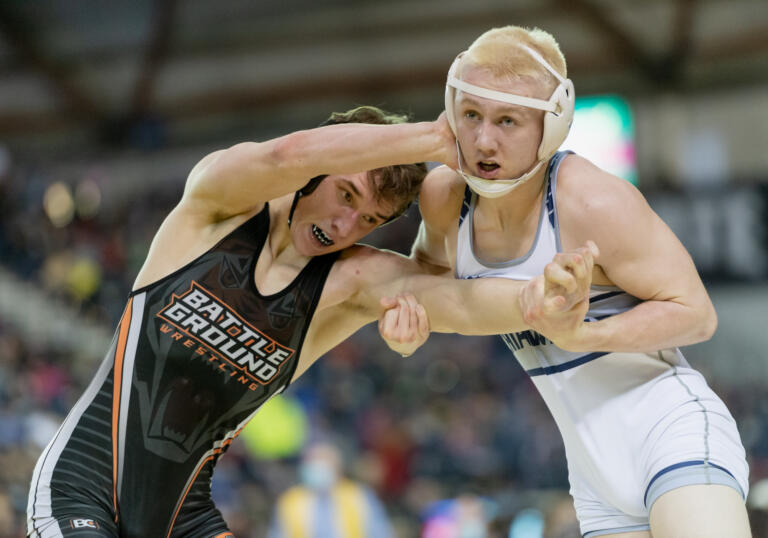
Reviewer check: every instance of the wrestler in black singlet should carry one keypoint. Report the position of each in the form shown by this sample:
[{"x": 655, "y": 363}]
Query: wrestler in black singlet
[{"x": 193, "y": 358}]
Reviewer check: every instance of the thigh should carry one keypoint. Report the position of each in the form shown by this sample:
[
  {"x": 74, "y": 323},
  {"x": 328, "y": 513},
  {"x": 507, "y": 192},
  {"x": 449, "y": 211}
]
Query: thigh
[
  {"x": 72, "y": 527},
  {"x": 700, "y": 511}
]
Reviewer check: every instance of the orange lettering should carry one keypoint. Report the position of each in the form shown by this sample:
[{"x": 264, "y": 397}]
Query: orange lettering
[{"x": 234, "y": 331}]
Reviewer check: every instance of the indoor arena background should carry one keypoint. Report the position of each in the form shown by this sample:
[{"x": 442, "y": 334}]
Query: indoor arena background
[{"x": 106, "y": 106}]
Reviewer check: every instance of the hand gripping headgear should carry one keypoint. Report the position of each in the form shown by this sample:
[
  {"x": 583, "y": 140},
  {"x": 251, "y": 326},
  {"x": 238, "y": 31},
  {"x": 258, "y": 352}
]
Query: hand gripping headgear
[{"x": 557, "y": 121}]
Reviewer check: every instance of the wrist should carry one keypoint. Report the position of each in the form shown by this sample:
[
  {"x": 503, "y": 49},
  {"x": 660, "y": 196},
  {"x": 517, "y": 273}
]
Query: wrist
[
  {"x": 443, "y": 142},
  {"x": 580, "y": 340}
]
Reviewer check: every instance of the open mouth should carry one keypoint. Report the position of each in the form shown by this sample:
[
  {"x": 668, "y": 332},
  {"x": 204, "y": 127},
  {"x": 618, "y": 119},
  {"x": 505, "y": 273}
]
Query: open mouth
[
  {"x": 321, "y": 236},
  {"x": 487, "y": 166}
]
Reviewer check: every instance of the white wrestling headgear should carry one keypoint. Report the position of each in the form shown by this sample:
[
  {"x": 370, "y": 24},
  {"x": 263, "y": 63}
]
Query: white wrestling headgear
[{"x": 557, "y": 122}]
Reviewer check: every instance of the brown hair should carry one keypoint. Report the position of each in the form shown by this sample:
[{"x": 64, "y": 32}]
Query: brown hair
[{"x": 398, "y": 184}]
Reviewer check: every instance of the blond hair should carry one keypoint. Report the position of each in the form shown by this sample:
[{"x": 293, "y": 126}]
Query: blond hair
[{"x": 499, "y": 50}]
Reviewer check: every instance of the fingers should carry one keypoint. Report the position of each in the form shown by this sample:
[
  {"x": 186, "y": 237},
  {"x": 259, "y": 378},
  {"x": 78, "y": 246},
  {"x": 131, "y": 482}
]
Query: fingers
[
  {"x": 405, "y": 320},
  {"x": 555, "y": 303},
  {"x": 388, "y": 302},
  {"x": 557, "y": 274},
  {"x": 530, "y": 299},
  {"x": 593, "y": 249},
  {"x": 423, "y": 320},
  {"x": 569, "y": 270},
  {"x": 413, "y": 304},
  {"x": 418, "y": 318},
  {"x": 388, "y": 324}
]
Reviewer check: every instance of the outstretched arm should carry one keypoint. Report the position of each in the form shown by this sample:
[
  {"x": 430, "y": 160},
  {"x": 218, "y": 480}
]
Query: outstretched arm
[
  {"x": 235, "y": 180},
  {"x": 488, "y": 305}
]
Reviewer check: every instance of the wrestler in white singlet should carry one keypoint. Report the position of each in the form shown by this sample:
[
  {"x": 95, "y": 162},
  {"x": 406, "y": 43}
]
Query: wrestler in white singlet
[{"x": 635, "y": 425}]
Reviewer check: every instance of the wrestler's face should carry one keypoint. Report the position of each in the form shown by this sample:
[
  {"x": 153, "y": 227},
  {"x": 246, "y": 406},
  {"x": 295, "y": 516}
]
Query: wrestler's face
[
  {"x": 498, "y": 140},
  {"x": 337, "y": 214}
]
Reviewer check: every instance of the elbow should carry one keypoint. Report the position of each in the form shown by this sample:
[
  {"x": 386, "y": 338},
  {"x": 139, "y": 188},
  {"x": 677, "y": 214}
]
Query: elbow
[
  {"x": 428, "y": 265},
  {"x": 709, "y": 324},
  {"x": 706, "y": 324},
  {"x": 288, "y": 151},
  {"x": 283, "y": 149}
]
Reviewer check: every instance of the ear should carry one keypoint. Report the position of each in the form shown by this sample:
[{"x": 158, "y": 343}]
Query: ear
[
  {"x": 450, "y": 94},
  {"x": 558, "y": 123}
]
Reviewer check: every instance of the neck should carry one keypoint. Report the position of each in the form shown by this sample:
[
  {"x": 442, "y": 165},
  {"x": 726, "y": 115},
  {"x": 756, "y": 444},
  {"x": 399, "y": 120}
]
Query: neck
[
  {"x": 516, "y": 206},
  {"x": 279, "y": 239}
]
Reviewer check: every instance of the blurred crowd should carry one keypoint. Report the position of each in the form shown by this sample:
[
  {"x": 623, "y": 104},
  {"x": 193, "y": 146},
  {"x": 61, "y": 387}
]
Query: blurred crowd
[{"x": 459, "y": 419}]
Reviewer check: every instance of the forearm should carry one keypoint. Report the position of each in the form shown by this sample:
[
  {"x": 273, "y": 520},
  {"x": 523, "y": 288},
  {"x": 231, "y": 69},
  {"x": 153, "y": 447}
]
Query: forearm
[
  {"x": 649, "y": 326},
  {"x": 233, "y": 180},
  {"x": 472, "y": 307},
  {"x": 355, "y": 147}
]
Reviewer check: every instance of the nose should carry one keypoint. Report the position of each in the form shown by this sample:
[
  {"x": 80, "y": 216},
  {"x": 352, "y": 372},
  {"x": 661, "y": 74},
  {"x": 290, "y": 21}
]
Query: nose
[
  {"x": 485, "y": 138},
  {"x": 344, "y": 222}
]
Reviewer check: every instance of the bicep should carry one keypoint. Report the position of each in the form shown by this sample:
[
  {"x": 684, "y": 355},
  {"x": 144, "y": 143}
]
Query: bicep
[
  {"x": 429, "y": 248},
  {"x": 328, "y": 329},
  {"x": 641, "y": 255},
  {"x": 439, "y": 204}
]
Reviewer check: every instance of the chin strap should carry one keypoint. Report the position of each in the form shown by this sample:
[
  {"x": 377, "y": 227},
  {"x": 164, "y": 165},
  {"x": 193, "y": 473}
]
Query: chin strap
[
  {"x": 494, "y": 188},
  {"x": 305, "y": 190},
  {"x": 558, "y": 107},
  {"x": 309, "y": 189}
]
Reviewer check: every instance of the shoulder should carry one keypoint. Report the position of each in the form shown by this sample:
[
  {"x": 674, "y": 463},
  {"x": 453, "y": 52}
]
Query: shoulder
[
  {"x": 359, "y": 268},
  {"x": 586, "y": 193},
  {"x": 440, "y": 197},
  {"x": 363, "y": 264},
  {"x": 593, "y": 204},
  {"x": 185, "y": 234}
]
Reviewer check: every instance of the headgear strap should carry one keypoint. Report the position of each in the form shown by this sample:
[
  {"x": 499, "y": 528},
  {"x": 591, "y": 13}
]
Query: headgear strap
[
  {"x": 557, "y": 121},
  {"x": 304, "y": 191}
]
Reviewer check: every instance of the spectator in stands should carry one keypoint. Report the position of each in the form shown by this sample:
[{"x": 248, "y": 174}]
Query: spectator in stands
[{"x": 326, "y": 504}]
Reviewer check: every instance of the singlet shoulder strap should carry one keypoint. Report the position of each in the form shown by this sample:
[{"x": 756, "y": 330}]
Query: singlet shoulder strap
[
  {"x": 254, "y": 231},
  {"x": 244, "y": 239},
  {"x": 317, "y": 269},
  {"x": 552, "y": 169},
  {"x": 465, "y": 204}
]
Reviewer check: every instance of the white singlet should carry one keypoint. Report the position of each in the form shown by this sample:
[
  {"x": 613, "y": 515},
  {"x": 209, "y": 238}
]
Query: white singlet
[{"x": 635, "y": 425}]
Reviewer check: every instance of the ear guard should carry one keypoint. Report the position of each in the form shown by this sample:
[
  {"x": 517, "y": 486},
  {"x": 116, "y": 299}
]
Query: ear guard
[{"x": 557, "y": 121}]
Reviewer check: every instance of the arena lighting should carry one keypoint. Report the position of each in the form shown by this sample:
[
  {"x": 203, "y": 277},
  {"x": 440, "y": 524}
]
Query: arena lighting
[
  {"x": 603, "y": 131},
  {"x": 58, "y": 204}
]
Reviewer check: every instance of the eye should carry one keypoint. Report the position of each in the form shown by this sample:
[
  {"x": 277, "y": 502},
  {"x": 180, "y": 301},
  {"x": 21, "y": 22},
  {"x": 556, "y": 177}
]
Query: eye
[
  {"x": 506, "y": 120},
  {"x": 471, "y": 115},
  {"x": 369, "y": 219},
  {"x": 346, "y": 195}
]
